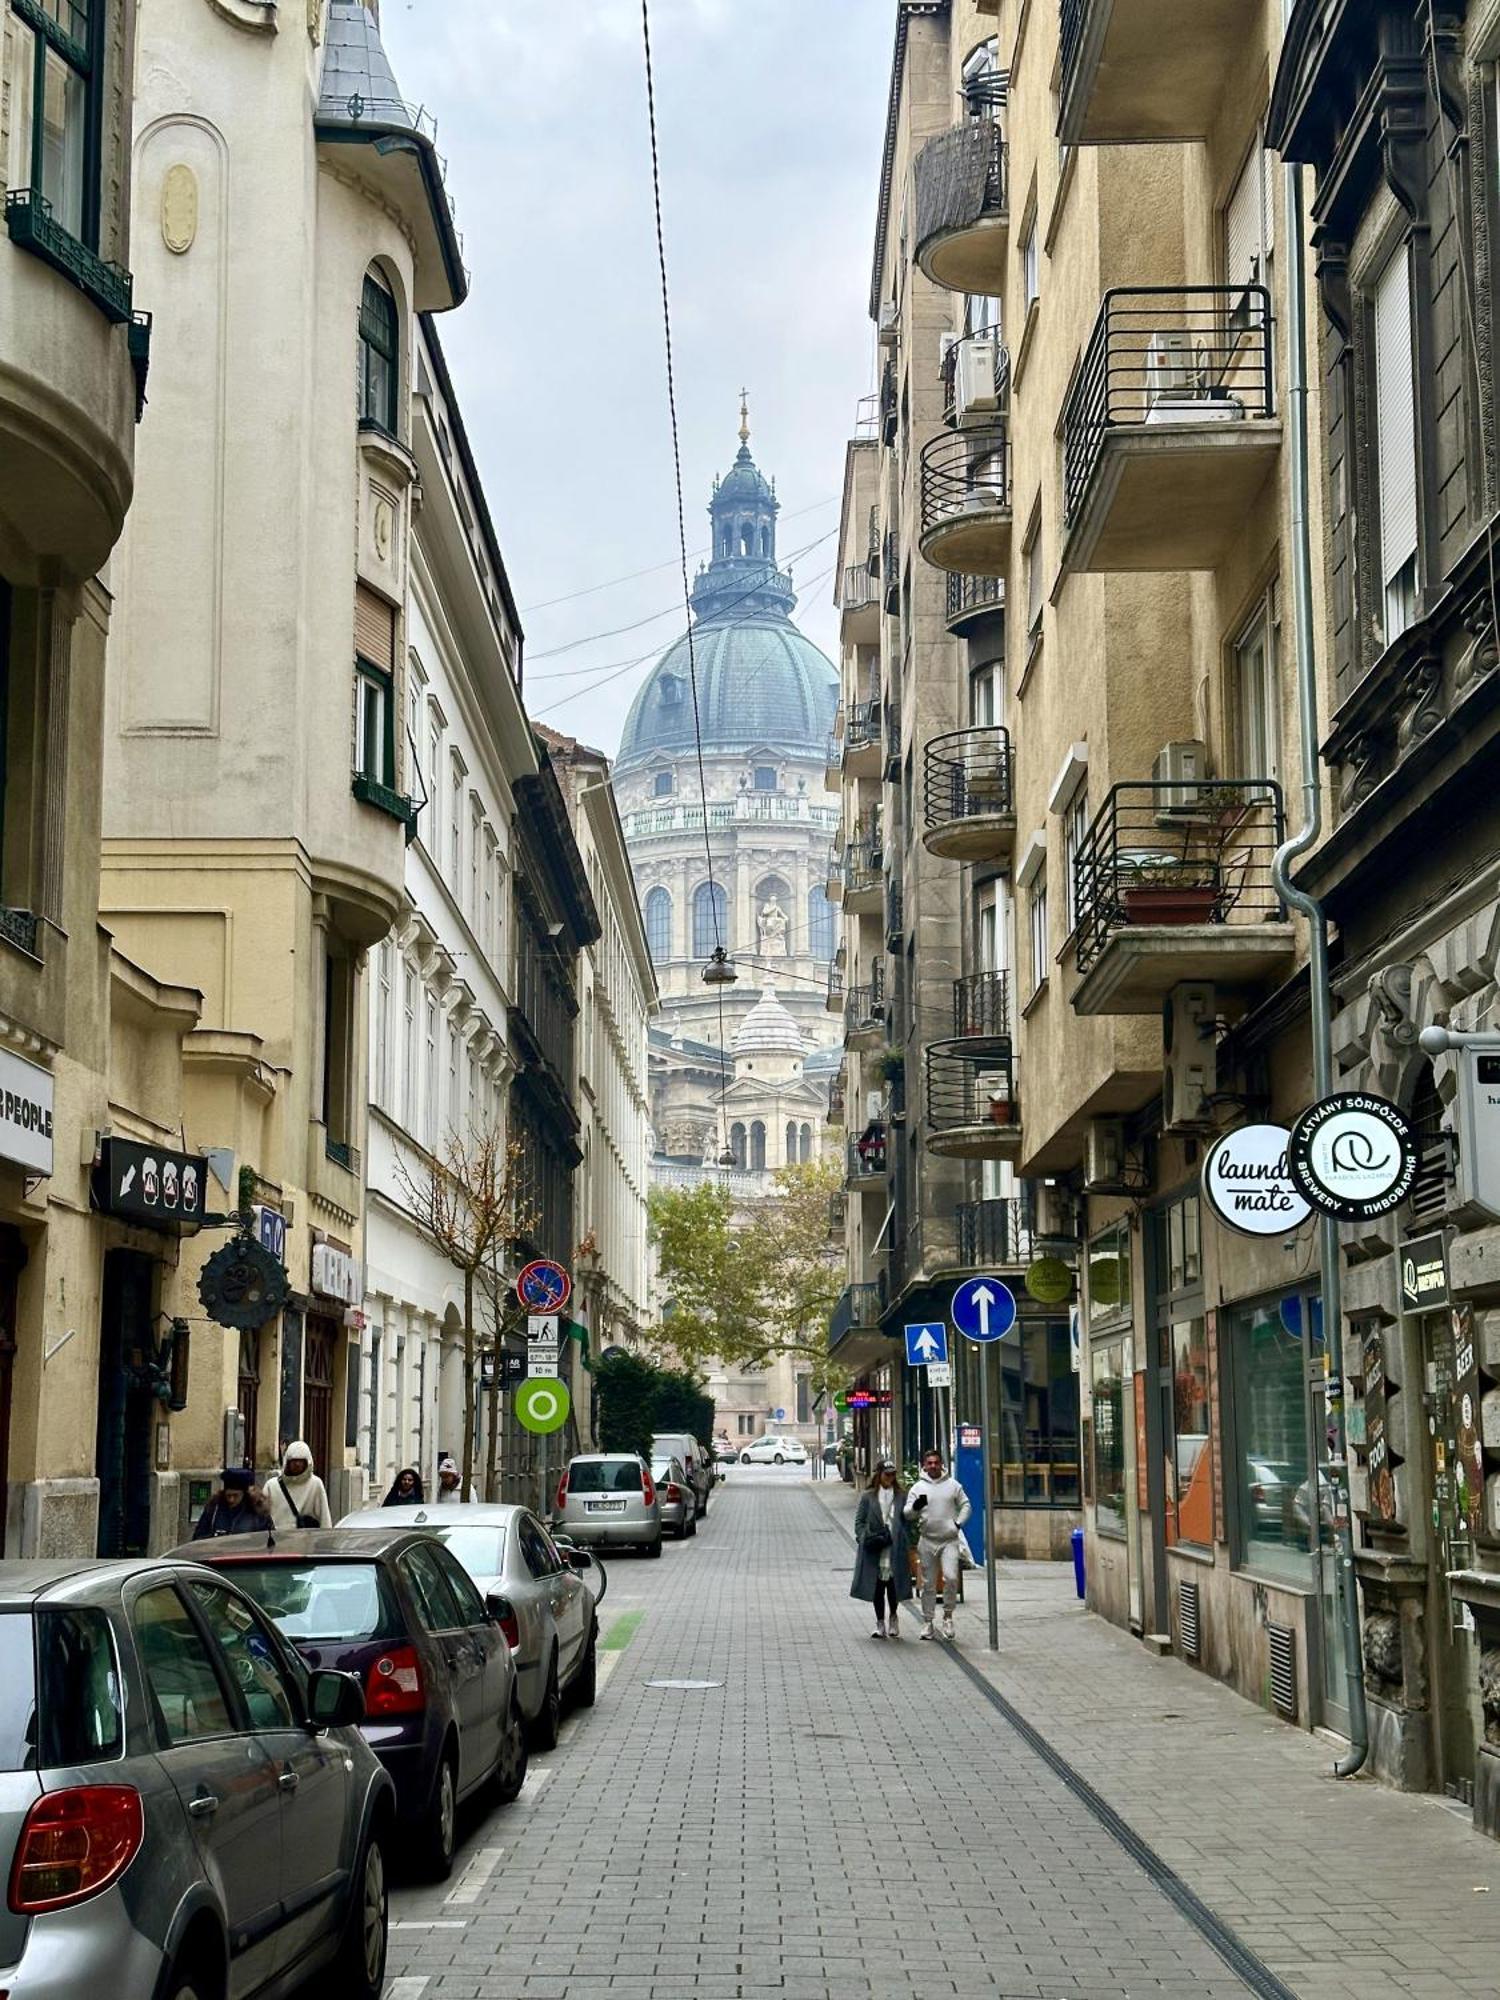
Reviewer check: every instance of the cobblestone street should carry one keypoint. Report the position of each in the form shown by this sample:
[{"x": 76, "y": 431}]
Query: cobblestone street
[{"x": 837, "y": 1817}]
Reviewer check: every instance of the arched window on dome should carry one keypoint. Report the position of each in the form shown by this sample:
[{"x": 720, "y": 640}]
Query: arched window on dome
[
  {"x": 737, "y": 1143},
  {"x": 758, "y": 1147},
  {"x": 791, "y": 1144},
  {"x": 659, "y": 925},
  {"x": 819, "y": 923},
  {"x": 747, "y": 538},
  {"x": 710, "y": 918},
  {"x": 765, "y": 541},
  {"x": 805, "y": 1154},
  {"x": 726, "y": 541}
]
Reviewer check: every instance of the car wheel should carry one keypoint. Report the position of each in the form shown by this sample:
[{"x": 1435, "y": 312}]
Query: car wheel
[
  {"x": 780, "y": 1459},
  {"x": 549, "y": 1715},
  {"x": 359, "y": 1969},
  {"x": 585, "y": 1688},
  {"x": 440, "y": 1827},
  {"x": 679, "y": 1533},
  {"x": 654, "y": 1548},
  {"x": 515, "y": 1755},
  {"x": 692, "y": 1527},
  {"x": 746, "y": 1459}
]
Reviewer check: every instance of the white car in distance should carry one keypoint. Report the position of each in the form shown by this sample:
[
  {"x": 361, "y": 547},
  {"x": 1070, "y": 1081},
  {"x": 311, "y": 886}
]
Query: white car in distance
[{"x": 773, "y": 1450}]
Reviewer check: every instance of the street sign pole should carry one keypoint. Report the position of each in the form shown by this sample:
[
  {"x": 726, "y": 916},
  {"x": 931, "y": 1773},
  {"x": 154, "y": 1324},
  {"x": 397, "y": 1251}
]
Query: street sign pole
[{"x": 989, "y": 1510}]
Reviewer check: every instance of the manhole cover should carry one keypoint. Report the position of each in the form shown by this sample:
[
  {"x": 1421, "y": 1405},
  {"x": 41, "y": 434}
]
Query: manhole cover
[{"x": 685, "y": 1687}]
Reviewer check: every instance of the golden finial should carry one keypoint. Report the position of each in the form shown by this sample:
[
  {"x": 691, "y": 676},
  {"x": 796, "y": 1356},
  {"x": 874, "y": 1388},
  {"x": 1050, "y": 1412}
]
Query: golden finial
[{"x": 744, "y": 417}]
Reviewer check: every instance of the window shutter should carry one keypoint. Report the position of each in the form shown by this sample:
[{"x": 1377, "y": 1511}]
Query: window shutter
[
  {"x": 374, "y": 629},
  {"x": 1244, "y": 231},
  {"x": 1395, "y": 407}
]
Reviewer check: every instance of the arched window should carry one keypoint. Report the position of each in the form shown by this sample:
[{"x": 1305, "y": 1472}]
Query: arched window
[
  {"x": 737, "y": 1143},
  {"x": 819, "y": 924},
  {"x": 791, "y": 1144},
  {"x": 806, "y": 1152},
  {"x": 659, "y": 925},
  {"x": 765, "y": 541},
  {"x": 379, "y": 355},
  {"x": 747, "y": 538},
  {"x": 709, "y": 903},
  {"x": 758, "y": 1147}
]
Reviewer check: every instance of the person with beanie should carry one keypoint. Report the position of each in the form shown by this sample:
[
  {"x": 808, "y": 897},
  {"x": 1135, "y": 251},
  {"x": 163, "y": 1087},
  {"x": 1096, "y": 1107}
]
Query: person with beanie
[{"x": 238, "y": 1508}]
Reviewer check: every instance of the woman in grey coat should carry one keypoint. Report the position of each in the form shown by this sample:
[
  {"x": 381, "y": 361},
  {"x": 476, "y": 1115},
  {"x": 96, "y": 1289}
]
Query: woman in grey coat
[{"x": 882, "y": 1571}]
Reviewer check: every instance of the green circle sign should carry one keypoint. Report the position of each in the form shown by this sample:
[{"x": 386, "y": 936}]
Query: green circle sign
[
  {"x": 542, "y": 1405},
  {"x": 1049, "y": 1281}
]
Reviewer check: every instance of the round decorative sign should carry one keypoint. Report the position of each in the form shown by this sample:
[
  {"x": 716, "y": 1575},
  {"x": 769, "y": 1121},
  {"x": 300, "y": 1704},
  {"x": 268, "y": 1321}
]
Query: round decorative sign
[
  {"x": 1353, "y": 1156},
  {"x": 1049, "y": 1281},
  {"x": 242, "y": 1285},
  {"x": 543, "y": 1287},
  {"x": 541, "y": 1405},
  {"x": 1248, "y": 1183}
]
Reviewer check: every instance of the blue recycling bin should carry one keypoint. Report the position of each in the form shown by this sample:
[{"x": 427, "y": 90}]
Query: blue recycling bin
[{"x": 1077, "y": 1540}]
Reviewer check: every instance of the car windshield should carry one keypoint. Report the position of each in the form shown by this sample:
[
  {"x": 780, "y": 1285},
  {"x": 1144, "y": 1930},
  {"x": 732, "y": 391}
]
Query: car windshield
[
  {"x": 481, "y": 1550},
  {"x": 59, "y": 1690},
  {"x": 338, "y": 1600},
  {"x": 604, "y": 1475}
]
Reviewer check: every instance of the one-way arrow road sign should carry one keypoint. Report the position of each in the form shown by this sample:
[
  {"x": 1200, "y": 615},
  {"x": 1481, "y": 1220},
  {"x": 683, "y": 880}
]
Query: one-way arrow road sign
[
  {"x": 926, "y": 1342},
  {"x": 984, "y": 1309}
]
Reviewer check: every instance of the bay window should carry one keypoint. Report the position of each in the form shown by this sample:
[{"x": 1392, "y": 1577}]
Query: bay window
[{"x": 54, "y": 110}]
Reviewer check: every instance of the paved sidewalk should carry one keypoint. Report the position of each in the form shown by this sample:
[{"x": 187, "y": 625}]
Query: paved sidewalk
[
  {"x": 839, "y": 1820},
  {"x": 1341, "y": 1887}
]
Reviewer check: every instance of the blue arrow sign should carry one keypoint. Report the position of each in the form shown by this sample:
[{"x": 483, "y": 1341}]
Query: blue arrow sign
[
  {"x": 984, "y": 1309},
  {"x": 926, "y": 1341}
]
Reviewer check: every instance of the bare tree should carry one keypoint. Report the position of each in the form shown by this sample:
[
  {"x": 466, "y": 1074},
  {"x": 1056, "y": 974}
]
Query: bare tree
[{"x": 469, "y": 1202}]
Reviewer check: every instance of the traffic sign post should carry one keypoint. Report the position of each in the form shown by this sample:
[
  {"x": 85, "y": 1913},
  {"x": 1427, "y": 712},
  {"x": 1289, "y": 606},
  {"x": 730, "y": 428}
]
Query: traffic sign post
[
  {"x": 939, "y": 1375},
  {"x": 984, "y": 1311},
  {"x": 543, "y": 1287}
]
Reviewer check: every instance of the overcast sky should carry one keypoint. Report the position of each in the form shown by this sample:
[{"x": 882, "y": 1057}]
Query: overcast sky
[{"x": 770, "y": 115}]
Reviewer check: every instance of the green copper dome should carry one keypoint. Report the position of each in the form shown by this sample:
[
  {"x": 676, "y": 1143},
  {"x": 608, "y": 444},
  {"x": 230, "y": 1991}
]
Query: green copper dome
[{"x": 759, "y": 680}]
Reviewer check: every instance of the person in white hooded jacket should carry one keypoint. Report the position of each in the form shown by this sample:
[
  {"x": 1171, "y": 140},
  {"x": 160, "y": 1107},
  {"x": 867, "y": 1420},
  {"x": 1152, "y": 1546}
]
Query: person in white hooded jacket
[
  {"x": 296, "y": 1496},
  {"x": 938, "y": 1507}
]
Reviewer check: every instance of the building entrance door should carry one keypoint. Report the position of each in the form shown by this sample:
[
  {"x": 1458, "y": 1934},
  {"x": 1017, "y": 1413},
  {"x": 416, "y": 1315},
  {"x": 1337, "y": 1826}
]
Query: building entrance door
[
  {"x": 127, "y": 1407},
  {"x": 1450, "y": 1406},
  {"x": 317, "y": 1392}
]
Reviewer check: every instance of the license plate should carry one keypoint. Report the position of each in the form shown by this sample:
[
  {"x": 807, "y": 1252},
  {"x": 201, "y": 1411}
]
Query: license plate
[{"x": 604, "y": 1506}]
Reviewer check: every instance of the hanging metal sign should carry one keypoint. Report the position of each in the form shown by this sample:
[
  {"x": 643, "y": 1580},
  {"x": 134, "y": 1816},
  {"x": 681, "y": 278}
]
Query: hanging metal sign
[
  {"x": 1423, "y": 1270},
  {"x": 1247, "y": 1182},
  {"x": 242, "y": 1285},
  {"x": 1353, "y": 1156}
]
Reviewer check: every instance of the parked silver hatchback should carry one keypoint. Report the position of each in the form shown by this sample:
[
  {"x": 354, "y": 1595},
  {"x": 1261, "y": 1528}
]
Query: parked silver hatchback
[
  {"x": 608, "y": 1500},
  {"x": 171, "y": 1779}
]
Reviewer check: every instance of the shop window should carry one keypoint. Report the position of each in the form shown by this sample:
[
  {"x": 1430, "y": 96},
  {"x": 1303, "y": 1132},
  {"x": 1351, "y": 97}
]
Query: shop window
[
  {"x": 1180, "y": 1334},
  {"x": 379, "y": 349},
  {"x": 1268, "y": 1365},
  {"x": 1111, "y": 1404},
  {"x": 1036, "y": 1452},
  {"x": 1109, "y": 1274}
]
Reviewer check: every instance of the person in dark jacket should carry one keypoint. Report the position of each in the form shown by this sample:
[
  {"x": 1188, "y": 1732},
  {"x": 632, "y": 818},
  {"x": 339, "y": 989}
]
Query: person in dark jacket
[
  {"x": 406, "y": 1489},
  {"x": 882, "y": 1568},
  {"x": 236, "y": 1509}
]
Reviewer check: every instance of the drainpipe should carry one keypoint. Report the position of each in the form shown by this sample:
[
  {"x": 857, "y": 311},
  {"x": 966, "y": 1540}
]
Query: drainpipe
[{"x": 1300, "y": 550}]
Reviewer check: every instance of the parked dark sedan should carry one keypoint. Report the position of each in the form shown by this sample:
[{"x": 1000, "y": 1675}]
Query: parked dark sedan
[{"x": 442, "y": 1704}]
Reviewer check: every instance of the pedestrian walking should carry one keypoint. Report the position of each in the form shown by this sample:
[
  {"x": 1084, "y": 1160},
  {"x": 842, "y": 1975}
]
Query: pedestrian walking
[
  {"x": 450, "y": 1484},
  {"x": 938, "y": 1506},
  {"x": 882, "y": 1566},
  {"x": 296, "y": 1496},
  {"x": 237, "y": 1508},
  {"x": 406, "y": 1489}
]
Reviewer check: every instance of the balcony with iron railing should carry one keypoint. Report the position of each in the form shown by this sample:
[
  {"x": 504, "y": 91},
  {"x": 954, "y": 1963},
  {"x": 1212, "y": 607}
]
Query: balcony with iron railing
[
  {"x": 975, "y": 373},
  {"x": 860, "y": 748},
  {"x": 836, "y": 1099},
  {"x": 892, "y": 772},
  {"x": 867, "y": 420},
  {"x": 890, "y": 569},
  {"x": 966, "y": 501},
  {"x": 834, "y": 998},
  {"x": 991, "y": 1232},
  {"x": 1173, "y": 882},
  {"x": 864, "y": 1159},
  {"x": 859, "y": 606},
  {"x": 973, "y": 1112},
  {"x": 968, "y": 811},
  {"x": 833, "y": 880},
  {"x": 895, "y": 916},
  {"x": 1132, "y": 75},
  {"x": 973, "y": 599},
  {"x": 962, "y": 207},
  {"x": 863, "y": 886},
  {"x": 887, "y": 403},
  {"x": 865, "y": 1014},
  {"x": 981, "y": 1004},
  {"x": 1169, "y": 430},
  {"x": 857, "y": 1313}
]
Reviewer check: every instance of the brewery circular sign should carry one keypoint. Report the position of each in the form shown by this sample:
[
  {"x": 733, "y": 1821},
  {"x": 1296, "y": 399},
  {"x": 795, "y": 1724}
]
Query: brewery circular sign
[
  {"x": 1248, "y": 1184},
  {"x": 1353, "y": 1155}
]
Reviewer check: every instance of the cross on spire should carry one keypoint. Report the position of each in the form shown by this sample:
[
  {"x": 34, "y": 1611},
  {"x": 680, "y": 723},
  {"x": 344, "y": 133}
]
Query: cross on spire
[{"x": 744, "y": 416}]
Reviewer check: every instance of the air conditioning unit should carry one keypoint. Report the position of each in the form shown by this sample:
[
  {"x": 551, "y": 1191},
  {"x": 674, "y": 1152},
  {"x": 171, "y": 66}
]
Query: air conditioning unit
[
  {"x": 1171, "y": 371},
  {"x": 1104, "y": 1156},
  {"x": 888, "y": 323},
  {"x": 1053, "y": 1212},
  {"x": 974, "y": 390},
  {"x": 1190, "y": 1073},
  {"x": 1181, "y": 769}
]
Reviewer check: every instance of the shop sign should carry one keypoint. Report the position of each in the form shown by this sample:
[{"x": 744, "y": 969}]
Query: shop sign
[
  {"x": 149, "y": 1184},
  {"x": 1248, "y": 1184},
  {"x": 270, "y": 1230},
  {"x": 1424, "y": 1272},
  {"x": 25, "y": 1113},
  {"x": 868, "y": 1399},
  {"x": 336, "y": 1275},
  {"x": 1353, "y": 1156},
  {"x": 1049, "y": 1281}
]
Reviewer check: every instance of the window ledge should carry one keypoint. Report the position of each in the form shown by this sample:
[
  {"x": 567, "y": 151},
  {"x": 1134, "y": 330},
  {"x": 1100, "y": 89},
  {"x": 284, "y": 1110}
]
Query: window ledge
[
  {"x": 1028, "y": 335},
  {"x": 1268, "y": 1579},
  {"x": 384, "y": 450},
  {"x": 1060, "y": 197},
  {"x": 1028, "y": 665},
  {"x": 370, "y": 792},
  {"x": 1039, "y": 994},
  {"x": 1187, "y": 1552},
  {"x": 33, "y": 227}
]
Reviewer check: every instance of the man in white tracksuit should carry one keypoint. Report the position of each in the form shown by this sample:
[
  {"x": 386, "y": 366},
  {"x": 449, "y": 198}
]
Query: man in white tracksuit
[{"x": 938, "y": 1506}]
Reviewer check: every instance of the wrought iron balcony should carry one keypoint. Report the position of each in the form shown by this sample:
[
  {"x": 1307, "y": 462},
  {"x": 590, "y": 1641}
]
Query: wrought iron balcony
[
  {"x": 890, "y": 565},
  {"x": 833, "y": 881},
  {"x": 1134, "y": 71},
  {"x": 975, "y": 374},
  {"x": 33, "y": 226},
  {"x": 836, "y": 1099},
  {"x": 859, "y": 606},
  {"x": 864, "y": 1158},
  {"x": 888, "y": 402},
  {"x": 981, "y": 1004},
  {"x": 967, "y": 808},
  {"x": 863, "y": 877},
  {"x": 865, "y": 1015},
  {"x": 895, "y": 925},
  {"x": 966, "y": 501},
  {"x": 19, "y": 927},
  {"x": 973, "y": 1112},
  {"x": 834, "y": 1001},
  {"x": 1169, "y": 429},
  {"x": 962, "y": 191},
  {"x": 973, "y": 598},
  {"x": 1173, "y": 882},
  {"x": 860, "y": 749},
  {"x": 992, "y": 1232},
  {"x": 838, "y": 1213},
  {"x": 857, "y": 1311},
  {"x": 892, "y": 743}
]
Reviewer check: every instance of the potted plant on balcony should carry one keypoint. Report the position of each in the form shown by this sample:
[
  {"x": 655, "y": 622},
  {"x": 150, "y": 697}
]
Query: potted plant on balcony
[
  {"x": 890, "y": 1066},
  {"x": 1176, "y": 891}
]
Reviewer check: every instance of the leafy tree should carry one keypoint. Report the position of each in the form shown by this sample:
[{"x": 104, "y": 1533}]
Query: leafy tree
[
  {"x": 747, "y": 1283},
  {"x": 627, "y": 1385}
]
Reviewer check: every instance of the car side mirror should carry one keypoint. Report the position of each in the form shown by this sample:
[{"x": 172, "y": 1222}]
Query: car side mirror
[
  {"x": 578, "y": 1559},
  {"x": 334, "y": 1700},
  {"x": 498, "y": 1607}
]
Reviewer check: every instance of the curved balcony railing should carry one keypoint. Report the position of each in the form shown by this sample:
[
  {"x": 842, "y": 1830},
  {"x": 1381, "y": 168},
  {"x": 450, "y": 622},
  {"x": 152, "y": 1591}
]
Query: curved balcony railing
[
  {"x": 992, "y": 1232},
  {"x": 987, "y": 92},
  {"x": 966, "y": 499},
  {"x": 966, "y": 776},
  {"x": 972, "y": 597},
  {"x": 972, "y": 1108},
  {"x": 961, "y": 180},
  {"x": 981, "y": 1004}
]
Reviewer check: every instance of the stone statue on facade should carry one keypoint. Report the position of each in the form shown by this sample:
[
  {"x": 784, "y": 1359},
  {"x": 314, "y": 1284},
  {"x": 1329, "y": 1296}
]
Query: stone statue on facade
[{"x": 771, "y": 928}]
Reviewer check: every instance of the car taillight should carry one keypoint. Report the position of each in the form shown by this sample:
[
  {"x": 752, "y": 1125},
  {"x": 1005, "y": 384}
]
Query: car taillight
[
  {"x": 674, "y": 1493},
  {"x": 73, "y": 1844},
  {"x": 562, "y": 1492},
  {"x": 1257, "y": 1493},
  {"x": 648, "y": 1489},
  {"x": 510, "y": 1625},
  {"x": 393, "y": 1684}
]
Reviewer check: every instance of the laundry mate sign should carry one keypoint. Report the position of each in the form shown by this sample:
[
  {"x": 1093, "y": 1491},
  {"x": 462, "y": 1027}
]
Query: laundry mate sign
[
  {"x": 1248, "y": 1185},
  {"x": 25, "y": 1113}
]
